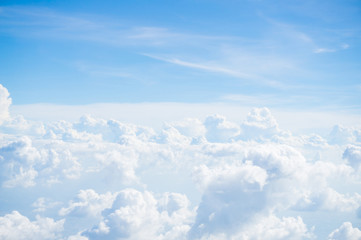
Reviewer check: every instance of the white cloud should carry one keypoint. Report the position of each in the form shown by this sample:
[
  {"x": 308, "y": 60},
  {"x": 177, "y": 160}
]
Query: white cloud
[
  {"x": 88, "y": 204},
  {"x": 219, "y": 129},
  {"x": 154, "y": 114},
  {"x": 231, "y": 196},
  {"x": 16, "y": 226},
  {"x": 19, "y": 125},
  {"x": 77, "y": 237},
  {"x": 138, "y": 215},
  {"x": 245, "y": 75},
  {"x": 170, "y": 135},
  {"x": 328, "y": 199},
  {"x": 353, "y": 156},
  {"x": 5, "y": 102},
  {"x": 280, "y": 179},
  {"x": 250, "y": 175},
  {"x": 17, "y": 163},
  {"x": 23, "y": 164},
  {"x": 324, "y": 50},
  {"x": 345, "y": 232},
  {"x": 190, "y": 127},
  {"x": 274, "y": 228},
  {"x": 42, "y": 204},
  {"x": 260, "y": 124}
]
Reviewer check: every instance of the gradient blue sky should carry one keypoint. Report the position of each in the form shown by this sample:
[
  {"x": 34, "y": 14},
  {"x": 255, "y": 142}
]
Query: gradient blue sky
[{"x": 295, "y": 54}]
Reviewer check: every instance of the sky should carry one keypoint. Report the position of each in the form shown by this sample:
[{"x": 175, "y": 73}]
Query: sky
[
  {"x": 292, "y": 54},
  {"x": 189, "y": 119}
]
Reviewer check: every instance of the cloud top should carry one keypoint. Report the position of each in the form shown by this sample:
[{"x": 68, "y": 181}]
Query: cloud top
[{"x": 195, "y": 178}]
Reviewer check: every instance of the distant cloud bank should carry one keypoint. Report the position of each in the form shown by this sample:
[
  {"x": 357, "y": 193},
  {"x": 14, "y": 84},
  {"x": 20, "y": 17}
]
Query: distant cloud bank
[{"x": 193, "y": 179}]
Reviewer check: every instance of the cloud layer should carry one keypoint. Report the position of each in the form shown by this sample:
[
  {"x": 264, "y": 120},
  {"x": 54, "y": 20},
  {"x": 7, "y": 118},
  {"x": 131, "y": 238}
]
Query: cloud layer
[{"x": 193, "y": 179}]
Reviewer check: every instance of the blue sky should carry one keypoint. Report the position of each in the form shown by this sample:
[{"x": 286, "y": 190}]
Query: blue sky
[{"x": 72, "y": 52}]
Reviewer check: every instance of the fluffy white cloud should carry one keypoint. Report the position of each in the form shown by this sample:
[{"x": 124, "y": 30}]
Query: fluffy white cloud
[
  {"x": 113, "y": 130},
  {"x": 5, "y": 102},
  {"x": 345, "y": 232},
  {"x": 43, "y": 204},
  {"x": 250, "y": 176},
  {"x": 19, "y": 125},
  {"x": 190, "y": 127},
  {"x": 23, "y": 164},
  {"x": 328, "y": 199},
  {"x": 138, "y": 215},
  {"x": 218, "y": 129},
  {"x": 170, "y": 135},
  {"x": 247, "y": 176},
  {"x": 88, "y": 203},
  {"x": 16, "y": 226},
  {"x": 260, "y": 124},
  {"x": 17, "y": 163},
  {"x": 269, "y": 179},
  {"x": 232, "y": 195}
]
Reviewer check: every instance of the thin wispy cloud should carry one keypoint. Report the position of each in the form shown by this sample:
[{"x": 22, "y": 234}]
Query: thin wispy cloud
[
  {"x": 248, "y": 78},
  {"x": 331, "y": 50},
  {"x": 324, "y": 50}
]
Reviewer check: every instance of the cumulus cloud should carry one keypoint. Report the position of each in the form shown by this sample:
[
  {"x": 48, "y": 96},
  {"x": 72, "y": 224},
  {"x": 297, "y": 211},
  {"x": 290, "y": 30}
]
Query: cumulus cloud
[
  {"x": 19, "y": 125},
  {"x": 139, "y": 215},
  {"x": 190, "y": 127},
  {"x": 260, "y": 124},
  {"x": 345, "y": 232},
  {"x": 231, "y": 197},
  {"x": 17, "y": 226},
  {"x": 88, "y": 203},
  {"x": 270, "y": 179},
  {"x": 23, "y": 164},
  {"x": 218, "y": 129},
  {"x": 193, "y": 179},
  {"x": 328, "y": 199},
  {"x": 17, "y": 160},
  {"x": 113, "y": 130},
  {"x": 267, "y": 178},
  {"x": 42, "y": 204}
]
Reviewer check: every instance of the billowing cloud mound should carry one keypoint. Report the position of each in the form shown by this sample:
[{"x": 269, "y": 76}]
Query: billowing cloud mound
[
  {"x": 139, "y": 215},
  {"x": 345, "y": 232},
  {"x": 260, "y": 124},
  {"x": 193, "y": 179},
  {"x": 16, "y": 226},
  {"x": 219, "y": 129}
]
